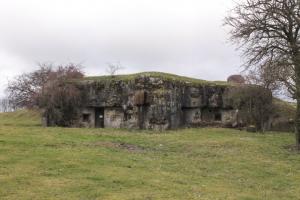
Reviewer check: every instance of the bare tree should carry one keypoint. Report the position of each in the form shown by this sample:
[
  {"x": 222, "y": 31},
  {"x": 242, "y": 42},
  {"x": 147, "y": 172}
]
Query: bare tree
[
  {"x": 254, "y": 104},
  {"x": 267, "y": 32},
  {"x": 113, "y": 68},
  {"x": 25, "y": 89},
  {"x": 268, "y": 80},
  {"x": 60, "y": 102}
]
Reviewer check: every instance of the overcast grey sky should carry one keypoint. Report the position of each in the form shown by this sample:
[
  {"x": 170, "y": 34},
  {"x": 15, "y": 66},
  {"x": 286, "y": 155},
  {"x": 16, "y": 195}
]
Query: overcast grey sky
[{"x": 184, "y": 37}]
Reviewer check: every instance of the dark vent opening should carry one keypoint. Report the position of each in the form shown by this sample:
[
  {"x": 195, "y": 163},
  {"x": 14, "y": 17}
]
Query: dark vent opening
[
  {"x": 218, "y": 117},
  {"x": 86, "y": 117}
]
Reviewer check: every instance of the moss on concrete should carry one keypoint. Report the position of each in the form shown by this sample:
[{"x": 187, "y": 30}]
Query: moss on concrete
[{"x": 161, "y": 75}]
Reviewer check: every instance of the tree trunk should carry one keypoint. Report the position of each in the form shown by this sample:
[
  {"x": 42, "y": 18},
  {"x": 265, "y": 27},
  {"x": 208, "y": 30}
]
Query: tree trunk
[
  {"x": 297, "y": 116},
  {"x": 297, "y": 120},
  {"x": 262, "y": 126}
]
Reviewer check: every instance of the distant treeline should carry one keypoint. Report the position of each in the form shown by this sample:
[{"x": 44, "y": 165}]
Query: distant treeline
[{"x": 6, "y": 105}]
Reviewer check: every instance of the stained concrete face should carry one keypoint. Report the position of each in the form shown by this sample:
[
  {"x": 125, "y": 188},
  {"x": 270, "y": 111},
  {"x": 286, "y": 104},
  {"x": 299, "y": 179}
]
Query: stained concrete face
[
  {"x": 211, "y": 114},
  {"x": 193, "y": 98},
  {"x": 113, "y": 117},
  {"x": 154, "y": 103},
  {"x": 192, "y": 116},
  {"x": 230, "y": 118}
]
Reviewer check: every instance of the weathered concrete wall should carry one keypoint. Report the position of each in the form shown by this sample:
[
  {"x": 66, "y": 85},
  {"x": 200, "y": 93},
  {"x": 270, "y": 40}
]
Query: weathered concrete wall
[
  {"x": 113, "y": 117},
  {"x": 154, "y": 103},
  {"x": 229, "y": 117},
  {"x": 192, "y": 116}
]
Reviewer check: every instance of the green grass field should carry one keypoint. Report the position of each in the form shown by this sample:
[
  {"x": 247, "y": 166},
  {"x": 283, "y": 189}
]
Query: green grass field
[{"x": 68, "y": 163}]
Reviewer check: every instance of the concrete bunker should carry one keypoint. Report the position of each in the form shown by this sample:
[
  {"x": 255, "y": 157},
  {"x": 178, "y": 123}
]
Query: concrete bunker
[{"x": 154, "y": 101}]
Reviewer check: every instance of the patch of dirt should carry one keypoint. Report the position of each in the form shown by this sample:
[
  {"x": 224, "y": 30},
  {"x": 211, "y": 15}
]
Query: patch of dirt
[{"x": 118, "y": 145}]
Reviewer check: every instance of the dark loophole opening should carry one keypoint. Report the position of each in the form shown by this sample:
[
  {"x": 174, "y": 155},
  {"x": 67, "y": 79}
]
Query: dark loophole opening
[
  {"x": 218, "y": 117},
  {"x": 86, "y": 117}
]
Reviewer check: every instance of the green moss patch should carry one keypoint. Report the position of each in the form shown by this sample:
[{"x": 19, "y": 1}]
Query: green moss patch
[{"x": 160, "y": 75}]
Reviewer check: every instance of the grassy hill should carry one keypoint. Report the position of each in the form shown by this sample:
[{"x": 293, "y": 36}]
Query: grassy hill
[
  {"x": 284, "y": 108},
  {"x": 161, "y": 75},
  {"x": 71, "y": 163}
]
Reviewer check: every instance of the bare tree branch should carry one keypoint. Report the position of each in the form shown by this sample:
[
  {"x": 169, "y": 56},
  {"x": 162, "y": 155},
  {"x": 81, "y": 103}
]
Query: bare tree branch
[
  {"x": 113, "y": 68},
  {"x": 267, "y": 32}
]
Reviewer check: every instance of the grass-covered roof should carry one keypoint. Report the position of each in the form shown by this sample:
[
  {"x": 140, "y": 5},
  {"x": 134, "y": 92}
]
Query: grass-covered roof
[{"x": 161, "y": 75}]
